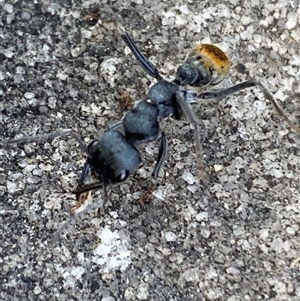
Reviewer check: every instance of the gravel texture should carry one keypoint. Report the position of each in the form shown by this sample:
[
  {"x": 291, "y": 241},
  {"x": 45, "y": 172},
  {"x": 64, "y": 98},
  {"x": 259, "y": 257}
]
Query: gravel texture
[{"x": 232, "y": 236}]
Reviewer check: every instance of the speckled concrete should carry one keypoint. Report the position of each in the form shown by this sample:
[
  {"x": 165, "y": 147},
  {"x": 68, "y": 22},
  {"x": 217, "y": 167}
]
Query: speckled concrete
[{"x": 232, "y": 236}]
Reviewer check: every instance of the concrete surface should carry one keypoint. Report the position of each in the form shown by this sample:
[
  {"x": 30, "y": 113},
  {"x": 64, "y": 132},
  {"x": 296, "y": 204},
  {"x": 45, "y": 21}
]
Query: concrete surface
[{"x": 232, "y": 236}]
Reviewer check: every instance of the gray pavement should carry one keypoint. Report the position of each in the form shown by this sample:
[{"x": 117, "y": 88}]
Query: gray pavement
[{"x": 232, "y": 236}]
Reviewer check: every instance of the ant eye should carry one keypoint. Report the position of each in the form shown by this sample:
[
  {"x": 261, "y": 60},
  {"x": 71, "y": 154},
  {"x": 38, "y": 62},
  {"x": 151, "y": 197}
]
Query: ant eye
[{"x": 122, "y": 176}]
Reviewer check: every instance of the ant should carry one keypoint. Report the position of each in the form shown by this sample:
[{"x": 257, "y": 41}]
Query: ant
[
  {"x": 206, "y": 65},
  {"x": 112, "y": 158}
]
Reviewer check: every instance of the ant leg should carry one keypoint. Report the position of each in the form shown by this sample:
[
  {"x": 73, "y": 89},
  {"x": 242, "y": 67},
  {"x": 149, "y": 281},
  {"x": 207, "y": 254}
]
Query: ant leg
[
  {"x": 39, "y": 138},
  {"x": 145, "y": 63},
  {"x": 80, "y": 200},
  {"x": 160, "y": 160},
  {"x": 248, "y": 84},
  {"x": 75, "y": 215},
  {"x": 115, "y": 125},
  {"x": 200, "y": 163},
  {"x": 87, "y": 188},
  {"x": 161, "y": 155},
  {"x": 76, "y": 211},
  {"x": 105, "y": 196},
  {"x": 85, "y": 172}
]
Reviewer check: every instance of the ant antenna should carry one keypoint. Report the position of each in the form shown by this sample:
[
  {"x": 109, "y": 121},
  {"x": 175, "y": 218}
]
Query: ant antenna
[{"x": 39, "y": 138}]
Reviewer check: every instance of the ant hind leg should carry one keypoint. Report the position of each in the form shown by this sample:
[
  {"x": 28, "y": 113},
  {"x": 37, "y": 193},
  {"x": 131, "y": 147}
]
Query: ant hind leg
[
  {"x": 248, "y": 84},
  {"x": 145, "y": 63}
]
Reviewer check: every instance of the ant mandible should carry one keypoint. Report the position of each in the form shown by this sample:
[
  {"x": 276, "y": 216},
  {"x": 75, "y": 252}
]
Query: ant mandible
[{"x": 112, "y": 158}]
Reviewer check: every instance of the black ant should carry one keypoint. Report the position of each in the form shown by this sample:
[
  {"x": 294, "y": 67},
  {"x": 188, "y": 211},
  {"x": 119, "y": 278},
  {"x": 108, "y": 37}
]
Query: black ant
[{"x": 112, "y": 158}]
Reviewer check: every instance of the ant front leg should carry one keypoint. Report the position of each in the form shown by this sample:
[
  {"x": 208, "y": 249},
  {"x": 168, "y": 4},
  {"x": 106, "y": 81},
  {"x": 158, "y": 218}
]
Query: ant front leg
[
  {"x": 82, "y": 195},
  {"x": 248, "y": 84},
  {"x": 145, "y": 63},
  {"x": 76, "y": 212}
]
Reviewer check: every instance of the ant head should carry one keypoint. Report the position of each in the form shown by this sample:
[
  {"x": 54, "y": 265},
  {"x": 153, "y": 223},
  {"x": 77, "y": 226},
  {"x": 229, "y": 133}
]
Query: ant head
[
  {"x": 111, "y": 158},
  {"x": 97, "y": 166}
]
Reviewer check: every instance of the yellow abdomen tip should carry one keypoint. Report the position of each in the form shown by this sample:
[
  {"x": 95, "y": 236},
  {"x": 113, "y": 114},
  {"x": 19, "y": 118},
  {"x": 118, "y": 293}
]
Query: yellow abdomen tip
[{"x": 214, "y": 56}]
